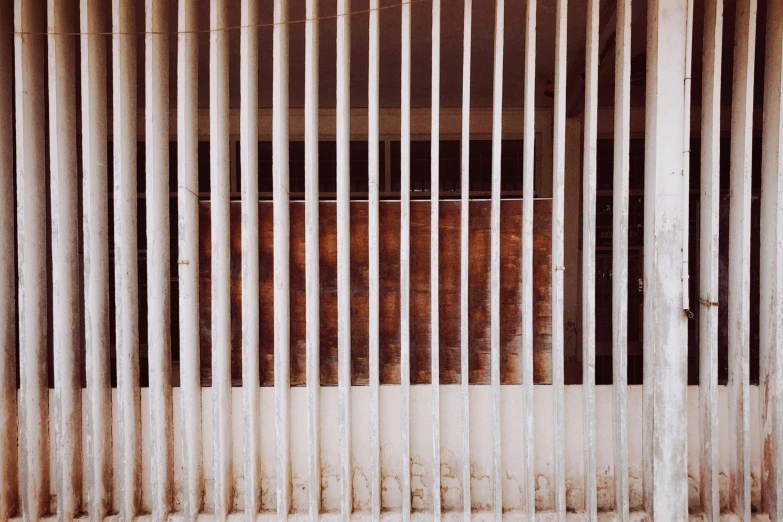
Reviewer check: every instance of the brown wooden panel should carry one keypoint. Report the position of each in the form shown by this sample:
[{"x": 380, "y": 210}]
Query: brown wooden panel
[
  {"x": 478, "y": 292},
  {"x": 266, "y": 308},
  {"x": 360, "y": 295},
  {"x": 449, "y": 257},
  {"x": 205, "y": 297},
  {"x": 389, "y": 306},
  {"x": 420, "y": 293},
  {"x": 449, "y": 288}
]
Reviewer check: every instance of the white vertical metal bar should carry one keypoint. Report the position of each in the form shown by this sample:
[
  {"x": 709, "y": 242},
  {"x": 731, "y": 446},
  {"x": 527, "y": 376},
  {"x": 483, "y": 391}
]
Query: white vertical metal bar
[
  {"x": 588, "y": 255},
  {"x": 528, "y": 163},
  {"x": 343, "y": 135},
  {"x": 281, "y": 231},
  {"x": 95, "y": 205},
  {"x": 188, "y": 255},
  {"x": 221, "y": 253},
  {"x": 709, "y": 258},
  {"x": 9, "y": 467},
  {"x": 250, "y": 267},
  {"x": 494, "y": 274},
  {"x": 405, "y": 256},
  {"x": 464, "y": 313},
  {"x": 126, "y": 255},
  {"x": 434, "y": 259},
  {"x": 61, "y": 16},
  {"x": 558, "y": 248},
  {"x": 686, "y": 155},
  {"x": 739, "y": 257},
  {"x": 771, "y": 266},
  {"x": 312, "y": 258},
  {"x": 665, "y": 322},
  {"x": 373, "y": 215},
  {"x": 31, "y": 237},
  {"x": 622, "y": 122},
  {"x": 156, "y": 52}
]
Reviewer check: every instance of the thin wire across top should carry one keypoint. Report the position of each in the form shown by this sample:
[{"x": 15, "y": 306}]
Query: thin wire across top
[{"x": 232, "y": 28}]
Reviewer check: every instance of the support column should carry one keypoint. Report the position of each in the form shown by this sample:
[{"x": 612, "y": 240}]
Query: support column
[
  {"x": 771, "y": 266},
  {"x": 61, "y": 17},
  {"x": 665, "y": 323},
  {"x": 29, "y": 22},
  {"x": 9, "y": 469}
]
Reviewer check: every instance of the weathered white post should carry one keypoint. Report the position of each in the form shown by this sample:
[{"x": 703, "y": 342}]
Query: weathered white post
[
  {"x": 9, "y": 467},
  {"x": 665, "y": 322},
  {"x": 156, "y": 60},
  {"x": 248, "y": 128},
  {"x": 221, "y": 254},
  {"x": 66, "y": 298},
  {"x": 187, "y": 257}
]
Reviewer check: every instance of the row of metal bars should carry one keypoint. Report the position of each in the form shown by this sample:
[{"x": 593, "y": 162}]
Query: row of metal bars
[{"x": 665, "y": 478}]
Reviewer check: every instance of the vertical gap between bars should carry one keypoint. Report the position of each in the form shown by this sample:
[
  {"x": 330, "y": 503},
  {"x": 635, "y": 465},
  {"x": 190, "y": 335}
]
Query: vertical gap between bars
[
  {"x": 622, "y": 118},
  {"x": 373, "y": 130},
  {"x": 434, "y": 257},
  {"x": 558, "y": 259},
  {"x": 771, "y": 265},
  {"x": 343, "y": 139},
  {"x": 494, "y": 283},
  {"x": 405, "y": 222},
  {"x": 588, "y": 256},
  {"x": 529, "y": 110},
  {"x": 250, "y": 269},
  {"x": 188, "y": 256},
  {"x": 739, "y": 257},
  {"x": 312, "y": 275},
  {"x": 221, "y": 255},
  {"x": 158, "y": 254},
  {"x": 281, "y": 230},
  {"x": 126, "y": 255},
  {"x": 65, "y": 239},
  {"x": 9, "y": 464},
  {"x": 708, "y": 259},
  {"x": 464, "y": 259}
]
